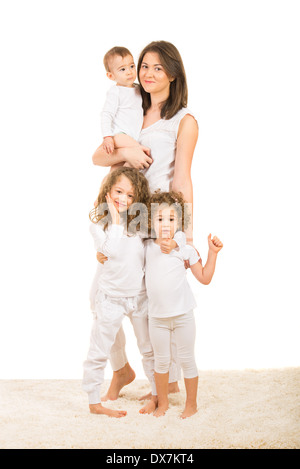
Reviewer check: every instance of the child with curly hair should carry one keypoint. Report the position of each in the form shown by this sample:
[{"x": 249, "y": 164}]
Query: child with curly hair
[
  {"x": 120, "y": 282},
  {"x": 170, "y": 297}
]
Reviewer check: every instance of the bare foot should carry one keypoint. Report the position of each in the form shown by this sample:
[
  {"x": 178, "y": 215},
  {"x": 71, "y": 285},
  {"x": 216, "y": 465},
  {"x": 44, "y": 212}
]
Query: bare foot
[
  {"x": 161, "y": 410},
  {"x": 120, "y": 379},
  {"x": 150, "y": 406},
  {"x": 189, "y": 411},
  {"x": 145, "y": 397},
  {"x": 99, "y": 409},
  {"x": 172, "y": 388}
]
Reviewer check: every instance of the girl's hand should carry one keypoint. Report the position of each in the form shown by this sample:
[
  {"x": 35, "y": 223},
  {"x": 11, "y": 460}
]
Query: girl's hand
[
  {"x": 167, "y": 245},
  {"x": 101, "y": 258},
  {"x": 215, "y": 245},
  {"x": 113, "y": 211}
]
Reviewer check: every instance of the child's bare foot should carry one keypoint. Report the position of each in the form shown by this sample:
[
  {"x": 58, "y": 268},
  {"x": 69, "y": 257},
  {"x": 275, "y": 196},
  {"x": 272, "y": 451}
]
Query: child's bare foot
[
  {"x": 190, "y": 409},
  {"x": 150, "y": 406},
  {"x": 161, "y": 410},
  {"x": 172, "y": 388},
  {"x": 120, "y": 379},
  {"x": 99, "y": 409}
]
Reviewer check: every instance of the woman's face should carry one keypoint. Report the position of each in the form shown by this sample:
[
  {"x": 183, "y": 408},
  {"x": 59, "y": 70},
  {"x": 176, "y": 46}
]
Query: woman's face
[
  {"x": 152, "y": 74},
  {"x": 165, "y": 222},
  {"x": 122, "y": 194}
]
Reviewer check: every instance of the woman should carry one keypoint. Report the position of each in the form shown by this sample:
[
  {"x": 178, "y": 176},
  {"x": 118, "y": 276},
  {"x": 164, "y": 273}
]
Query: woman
[{"x": 171, "y": 133}]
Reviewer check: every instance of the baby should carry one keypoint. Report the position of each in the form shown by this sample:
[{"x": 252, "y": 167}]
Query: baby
[{"x": 122, "y": 113}]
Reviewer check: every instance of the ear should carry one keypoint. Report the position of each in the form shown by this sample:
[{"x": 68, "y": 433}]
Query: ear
[
  {"x": 172, "y": 79},
  {"x": 110, "y": 76}
]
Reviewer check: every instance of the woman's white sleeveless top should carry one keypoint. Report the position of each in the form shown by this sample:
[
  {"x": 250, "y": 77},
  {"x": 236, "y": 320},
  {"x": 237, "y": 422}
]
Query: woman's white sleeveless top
[{"x": 161, "y": 138}]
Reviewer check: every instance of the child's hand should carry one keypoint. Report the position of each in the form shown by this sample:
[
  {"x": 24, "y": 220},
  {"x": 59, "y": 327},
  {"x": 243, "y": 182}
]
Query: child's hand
[
  {"x": 214, "y": 244},
  {"x": 167, "y": 245},
  {"x": 113, "y": 211},
  {"x": 108, "y": 144}
]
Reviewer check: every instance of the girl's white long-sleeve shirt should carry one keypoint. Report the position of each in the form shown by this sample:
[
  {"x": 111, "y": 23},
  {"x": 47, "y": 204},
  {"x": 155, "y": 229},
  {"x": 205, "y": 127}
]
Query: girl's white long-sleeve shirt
[
  {"x": 122, "y": 275},
  {"x": 122, "y": 112},
  {"x": 168, "y": 290}
]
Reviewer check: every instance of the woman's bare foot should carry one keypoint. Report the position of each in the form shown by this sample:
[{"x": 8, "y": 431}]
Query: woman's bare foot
[
  {"x": 172, "y": 388},
  {"x": 99, "y": 409},
  {"x": 189, "y": 411},
  {"x": 150, "y": 406},
  {"x": 120, "y": 379}
]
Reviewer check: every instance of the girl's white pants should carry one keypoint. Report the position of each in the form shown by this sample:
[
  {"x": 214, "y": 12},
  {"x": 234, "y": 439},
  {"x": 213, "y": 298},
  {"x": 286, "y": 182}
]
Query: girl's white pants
[
  {"x": 184, "y": 329},
  {"x": 118, "y": 357},
  {"x": 108, "y": 317}
]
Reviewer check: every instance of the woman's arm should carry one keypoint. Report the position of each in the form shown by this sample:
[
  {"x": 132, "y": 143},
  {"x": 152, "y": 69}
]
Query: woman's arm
[
  {"x": 182, "y": 181},
  {"x": 134, "y": 156}
]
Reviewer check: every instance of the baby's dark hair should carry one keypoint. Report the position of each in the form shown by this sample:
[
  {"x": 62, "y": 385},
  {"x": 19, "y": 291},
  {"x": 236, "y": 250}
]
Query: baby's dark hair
[
  {"x": 141, "y": 198},
  {"x": 174, "y": 199},
  {"x": 122, "y": 51}
]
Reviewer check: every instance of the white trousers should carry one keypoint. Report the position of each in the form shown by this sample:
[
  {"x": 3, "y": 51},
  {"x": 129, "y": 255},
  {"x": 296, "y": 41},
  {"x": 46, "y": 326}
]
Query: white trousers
[
  {"x": 118, "y": 357},
  {"x": 109, "y": 314},
  {"x": 184, "y": 329}
]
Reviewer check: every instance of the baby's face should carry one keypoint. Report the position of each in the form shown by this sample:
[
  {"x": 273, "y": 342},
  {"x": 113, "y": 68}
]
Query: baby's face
[
  {"x": 165, "y": 222},
  {"x": 122, "y": 70}
]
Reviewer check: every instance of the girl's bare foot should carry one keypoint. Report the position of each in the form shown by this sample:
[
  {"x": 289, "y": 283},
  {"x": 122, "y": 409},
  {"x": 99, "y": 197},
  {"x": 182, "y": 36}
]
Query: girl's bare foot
[
  {"x": 161, "y": 410},
  {"x": 172, "y": 388},
  {"x": 120, "y": 379},
  {"x": 189, "y": 411},
  {"x": 99, "y": 409},
  {"x": 150, "y": 406}
]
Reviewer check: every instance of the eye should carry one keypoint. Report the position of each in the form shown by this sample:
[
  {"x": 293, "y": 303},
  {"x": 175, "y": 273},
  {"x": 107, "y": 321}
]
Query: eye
[
  {"x": 122, "y": 70},
  {"x": 132, "y": 66}
]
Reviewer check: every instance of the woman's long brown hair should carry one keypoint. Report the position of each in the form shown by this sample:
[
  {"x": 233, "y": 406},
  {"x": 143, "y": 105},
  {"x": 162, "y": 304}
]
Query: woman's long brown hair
[{"x": 173, "y": 65}]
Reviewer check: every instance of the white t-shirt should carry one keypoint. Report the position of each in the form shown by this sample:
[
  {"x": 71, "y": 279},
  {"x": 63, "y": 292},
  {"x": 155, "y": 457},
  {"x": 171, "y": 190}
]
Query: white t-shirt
[
  {"x": 122, "y": 112},
  {"x": 161, "y": 138},
  {"x": 122, "y": 275},
  {"x": 168, "y": 291}
]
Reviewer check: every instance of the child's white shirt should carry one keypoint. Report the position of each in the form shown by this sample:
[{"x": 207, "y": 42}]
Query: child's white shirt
[
  {"x": 122, "y": 275},
  {"x": 168, "y": 291},
  {"x": 122, "y": 112}
]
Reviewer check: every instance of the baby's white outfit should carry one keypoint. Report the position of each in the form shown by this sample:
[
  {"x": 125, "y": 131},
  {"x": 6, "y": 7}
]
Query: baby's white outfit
[
  {"x": 170, "y": 306},
  {"x": 122, "y": 112},
  {"x": 121, "y": 292}
]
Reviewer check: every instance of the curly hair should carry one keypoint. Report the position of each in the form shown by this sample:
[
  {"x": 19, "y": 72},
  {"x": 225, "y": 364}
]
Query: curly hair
[
  {"x": 141, "y": 198},
  {"x": 174, "y": 199}
]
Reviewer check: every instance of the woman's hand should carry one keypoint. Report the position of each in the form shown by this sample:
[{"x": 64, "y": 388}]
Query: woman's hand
[{"x": 137, "y": 157}]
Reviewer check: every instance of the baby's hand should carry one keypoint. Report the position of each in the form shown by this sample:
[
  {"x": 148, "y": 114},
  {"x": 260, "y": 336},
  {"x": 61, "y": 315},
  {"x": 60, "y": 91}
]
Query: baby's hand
[
  {"x": 167, "y": 245},
  {"x": 214, "y": 244},
  {"x": 108, "y": 144}
]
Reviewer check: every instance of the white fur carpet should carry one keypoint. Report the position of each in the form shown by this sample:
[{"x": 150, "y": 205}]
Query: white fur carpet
[{"x": 258, "y": 409}]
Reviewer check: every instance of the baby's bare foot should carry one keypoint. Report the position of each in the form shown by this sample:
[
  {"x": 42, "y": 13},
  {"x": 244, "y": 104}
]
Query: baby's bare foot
[{"x": 100, "y": 410}]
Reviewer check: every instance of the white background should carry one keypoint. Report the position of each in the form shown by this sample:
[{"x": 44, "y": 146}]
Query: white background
[{"x": 242, "y": 64}]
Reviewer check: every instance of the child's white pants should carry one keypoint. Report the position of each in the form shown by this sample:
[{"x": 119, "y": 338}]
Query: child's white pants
[
  {"x": 106, "y": 325},
  {"x": 184, "y": 330},
  {"x": 118, "y": 357}
]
